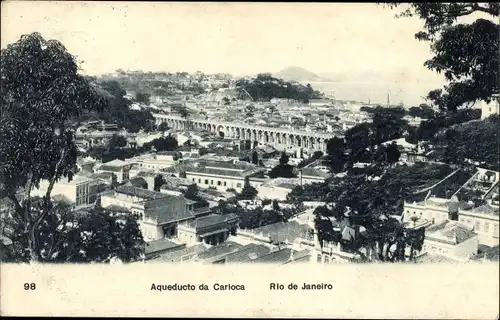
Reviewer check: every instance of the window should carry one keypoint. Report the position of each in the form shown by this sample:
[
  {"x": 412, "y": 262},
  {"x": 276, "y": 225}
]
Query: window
[
  {"x": 238, "y": 185},
  {"x": 219, "y": 183},
  {"x": 486, "y": 227},
  {"x": 211, "y": 182},
  {"x": 194, "y": 180},
  {"x": 199, "y": 180},
  {"x": 225, "y": 183},
  {"x": 495, "y": 230},
  {"x": 206, "y": 181},
  {"x": 477, "y": 226}
]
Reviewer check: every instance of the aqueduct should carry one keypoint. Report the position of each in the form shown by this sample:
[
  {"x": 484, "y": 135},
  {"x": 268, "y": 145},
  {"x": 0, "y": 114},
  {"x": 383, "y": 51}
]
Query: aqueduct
[{"x": 279, "y": 137}]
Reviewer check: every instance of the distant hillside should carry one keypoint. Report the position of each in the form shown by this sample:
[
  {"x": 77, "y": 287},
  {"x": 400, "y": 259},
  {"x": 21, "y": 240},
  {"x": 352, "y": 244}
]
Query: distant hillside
[
  {"x": 231, "y": 94},
  {"x": 297, "y": 74},
  {"x": 266, "y": 87}
]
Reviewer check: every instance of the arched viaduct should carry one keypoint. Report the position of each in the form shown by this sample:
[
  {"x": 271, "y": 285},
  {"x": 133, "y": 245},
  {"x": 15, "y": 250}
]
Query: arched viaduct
[{"x": 279, "y": 137}]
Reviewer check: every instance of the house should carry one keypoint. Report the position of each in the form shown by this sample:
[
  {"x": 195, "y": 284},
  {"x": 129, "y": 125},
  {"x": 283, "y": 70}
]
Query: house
[
  {"x": 159, "y": 218},
  {"x": 244, "y": 254},
  {"x": 138, "y": 182},
  {"x": 212, "y": 229},
  {"x": 451, "y": 239},
  {"x": 474, "y": 204},
  {"x": 80, "y": 192},
  {"x": 320, "y": 102},
  {"x": 157, "y": 247},
  {"x": 118, "y": 167},
  {"x": 217, "y": 252},
  {"x": 312, "y": 175},
  {"x": 221, "y": 175}
]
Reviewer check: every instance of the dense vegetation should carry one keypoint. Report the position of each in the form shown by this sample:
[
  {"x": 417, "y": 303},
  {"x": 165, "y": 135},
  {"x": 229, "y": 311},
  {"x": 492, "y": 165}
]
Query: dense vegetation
[
  {"x": 41, "y": 92},
  {"x": 466, "y": 53},
  {"x": 265, "y": 87},
  {"x": 251, "y": 218},
  {"x": 475, "y": 140}
]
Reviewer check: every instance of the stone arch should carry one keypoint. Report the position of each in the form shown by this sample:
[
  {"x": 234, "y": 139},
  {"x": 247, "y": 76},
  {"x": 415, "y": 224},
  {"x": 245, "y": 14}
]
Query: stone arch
[{"x": 220, "y": 130}]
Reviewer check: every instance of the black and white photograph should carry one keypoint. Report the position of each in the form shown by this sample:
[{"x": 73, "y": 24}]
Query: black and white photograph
[{"x": 146, "y": 133}]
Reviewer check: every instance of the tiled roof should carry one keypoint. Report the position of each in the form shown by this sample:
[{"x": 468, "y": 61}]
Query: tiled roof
[
  {"x": 187, "y": 253},
  {"x": 214, "y": 219},
  {"x": 434, "y": 258},
  {"x": 277, "y": 257},
  {"x": 138, "y": 182},
  {"x": 311, "y": 172},
  {"x": 452, "y": 232},
  {"x": 218, "y": 250},
  {"x": 139, "y": 192},
  {"x": 110, "y": 168},
  {"x": 160, "y": 245},
  {"x": 247, "y": 253},
  {"x": 161, "y": 211}
]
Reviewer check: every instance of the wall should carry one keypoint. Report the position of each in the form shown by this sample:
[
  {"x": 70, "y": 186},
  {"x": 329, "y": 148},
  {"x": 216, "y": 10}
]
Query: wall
[
  {"x": 273, "y": 193},
  {"x": 486, "y": 226},
  {"x": 151, "y": 232},
  {"x": 213, "y": 181},
  {"x": 119, "y": 200},
  {"x": 186, "y": 235}
]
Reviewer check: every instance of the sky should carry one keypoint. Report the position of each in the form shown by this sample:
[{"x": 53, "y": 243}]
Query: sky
[{"x": 364, "y": 41}]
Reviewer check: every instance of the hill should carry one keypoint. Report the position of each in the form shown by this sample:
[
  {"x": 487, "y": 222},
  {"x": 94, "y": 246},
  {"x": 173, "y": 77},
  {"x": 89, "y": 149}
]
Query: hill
[{"x": 297, "y": 74}]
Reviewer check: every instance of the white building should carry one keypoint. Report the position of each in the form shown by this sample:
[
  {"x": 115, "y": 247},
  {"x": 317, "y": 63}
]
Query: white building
[
  {"x": 451, "y": 239},
  {"x": 488, "y": 109},
  {"x": 81, "y": 191},
  {"x": 118, "y": 167},
  {"x": 221, "y": 175}
]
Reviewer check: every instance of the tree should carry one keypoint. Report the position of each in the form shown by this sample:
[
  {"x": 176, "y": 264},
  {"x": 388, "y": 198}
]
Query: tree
[
  {"x": 335, "y": 149},
  {"x": 41, "y": 91},
  {"x": 283, "y": 169},
  {"x": 467, "y": 54},
  {"x": 163, "y": 127},
  {"x": 116, "y": 141},
  {"x": 159, "y": 181},
  {"x": 393, "y": 153},
  {"x": 248, "y": 192},
  {"x": 97, "y": 235},
  {"x": 142, "y": 97},
  {"x": 255, "y": 157},
  {"x": 167, "y": 143}
]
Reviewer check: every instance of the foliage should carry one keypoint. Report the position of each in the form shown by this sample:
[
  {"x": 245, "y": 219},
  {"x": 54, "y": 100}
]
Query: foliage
[
  {"x": 360, "y": 140},
  {"x": 96, "y": 235},
  {"x": 41, "y": 91},
  {"x": 265, "y": 87},
  {"x": 248, "y": 192},
  {"x": 116, "y": 141},
  {"x": 429, "y": 128},
  {"x": 119, "y": 112},
  {"x": 255, "y": 157},
  {"x": 423, "y": 111},
  {"x": 163, "y": 127},
  {"x": 167, "y": 143},
  {"x": 142, "y": 97},
  {"x": 283, "y": 169},
  {"x": 251, "y": 218},
  {"x": 475, "y": 140},
  {"x": 371, "y": 204},
  {"x": 335, "y": 149},
  {"x": 467, "y": 54}
]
